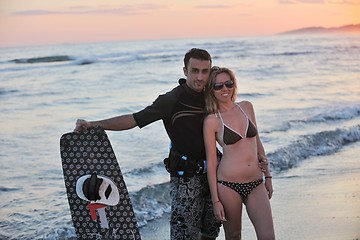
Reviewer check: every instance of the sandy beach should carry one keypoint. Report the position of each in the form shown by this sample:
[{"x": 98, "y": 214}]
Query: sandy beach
[{"x": 316, "y": 200}]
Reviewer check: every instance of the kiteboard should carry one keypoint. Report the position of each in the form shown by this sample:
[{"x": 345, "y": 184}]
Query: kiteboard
[{"x": 99, "y": 202}]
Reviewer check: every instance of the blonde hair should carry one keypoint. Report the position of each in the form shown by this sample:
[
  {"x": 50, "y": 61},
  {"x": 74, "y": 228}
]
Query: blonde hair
[{"x": 211, "y": 103}]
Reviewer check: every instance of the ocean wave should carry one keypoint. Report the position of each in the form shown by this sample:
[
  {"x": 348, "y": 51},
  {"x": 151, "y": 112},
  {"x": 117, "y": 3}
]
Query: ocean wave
[
  {"x": 125, "y": 57},
  {"x": 53, "y": 59},
  {"x": 151, "y": 202},
  {"x": 321, "y": 143},
  {"x": 251, "y": 95},
  {"x": 49, "y": 59},
  {"x": 330, "y": 115},
  {"x": 144, "y": 58},
  {"x": 5, "y": 189},
  {"x": 291, "y": 53},
  {"x": 19, "y": 68},
  {"x": 283, "y": 127},
  {"x": 62, "y": 233},
  {"x": 7, "y": 91},
  {"x": 337, "y": 114},
  {"x": 84, "y": 61}
]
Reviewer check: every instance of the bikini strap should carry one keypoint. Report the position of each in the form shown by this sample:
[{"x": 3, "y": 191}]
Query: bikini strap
[
  {"x": 248, "y": 120},
  {"x": 221, "y": 118},
  {"x": 242, "y": 111}
]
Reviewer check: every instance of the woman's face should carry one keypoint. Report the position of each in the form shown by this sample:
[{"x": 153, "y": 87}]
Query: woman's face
[{"x": 223, "y": 87}]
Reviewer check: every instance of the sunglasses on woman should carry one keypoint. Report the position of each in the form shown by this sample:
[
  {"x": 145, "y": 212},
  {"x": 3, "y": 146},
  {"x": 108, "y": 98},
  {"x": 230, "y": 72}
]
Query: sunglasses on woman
[{"x": 219, "y": 85}]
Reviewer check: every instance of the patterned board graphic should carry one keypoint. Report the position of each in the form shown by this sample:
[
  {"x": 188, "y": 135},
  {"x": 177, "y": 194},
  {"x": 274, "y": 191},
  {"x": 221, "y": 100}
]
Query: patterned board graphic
[{"x": 111, "y": 217}]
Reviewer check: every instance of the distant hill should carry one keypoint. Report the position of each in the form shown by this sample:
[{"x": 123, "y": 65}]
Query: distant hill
[{"x": 352, "y": 28}]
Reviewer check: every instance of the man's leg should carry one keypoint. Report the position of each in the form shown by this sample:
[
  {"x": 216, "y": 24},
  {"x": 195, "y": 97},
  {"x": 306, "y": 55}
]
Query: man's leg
[
  {"x": 186, "y": 210},
  {"x": 206, "y": 238},
  {"x": 210, "y": 225}
]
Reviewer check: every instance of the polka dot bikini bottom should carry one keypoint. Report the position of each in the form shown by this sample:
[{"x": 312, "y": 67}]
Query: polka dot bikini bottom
[{"x": 243, "y": 189}]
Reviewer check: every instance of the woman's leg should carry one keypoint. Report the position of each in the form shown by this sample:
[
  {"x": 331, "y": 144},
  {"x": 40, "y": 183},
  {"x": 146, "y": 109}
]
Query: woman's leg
[
  {"x": 232, "y": 204},
  {"x": 259, "y": 211}
]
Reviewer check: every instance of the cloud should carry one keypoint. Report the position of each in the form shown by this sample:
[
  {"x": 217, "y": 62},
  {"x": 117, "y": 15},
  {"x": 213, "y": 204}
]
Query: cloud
[
  {"x": 346, "y": 2},
  {"x": 350, "y": 2},
  {"x": 300, "y": 1},
  {"x": 78, "y": 7},
  {"x": 80, "y": 10},
  {"x": 213, "y": 6},
  {"x": 311, "y": 1},
  {"x": 287, "y": 1}
]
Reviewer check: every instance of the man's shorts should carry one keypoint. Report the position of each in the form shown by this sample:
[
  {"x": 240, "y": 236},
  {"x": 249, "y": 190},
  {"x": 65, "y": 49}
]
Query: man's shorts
[{"x": 191, "y": 209}]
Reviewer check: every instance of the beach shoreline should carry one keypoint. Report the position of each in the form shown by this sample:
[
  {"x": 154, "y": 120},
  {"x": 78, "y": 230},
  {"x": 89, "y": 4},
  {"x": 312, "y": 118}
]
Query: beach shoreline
[{"x": 316, "y": 200}]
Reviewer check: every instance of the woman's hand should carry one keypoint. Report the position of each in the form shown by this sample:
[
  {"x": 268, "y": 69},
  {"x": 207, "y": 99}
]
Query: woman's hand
[
  {"x": 269, "y": 187},
  {"x": 219, "y": 211}
]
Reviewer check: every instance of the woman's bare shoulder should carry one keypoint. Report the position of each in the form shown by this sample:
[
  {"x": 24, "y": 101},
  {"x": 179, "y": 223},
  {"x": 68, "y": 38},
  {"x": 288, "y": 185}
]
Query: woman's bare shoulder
[
  {"x": 210, "y": 119},
  {"x": 248, "y": 108},
  {"x": 245, "y": 104}
]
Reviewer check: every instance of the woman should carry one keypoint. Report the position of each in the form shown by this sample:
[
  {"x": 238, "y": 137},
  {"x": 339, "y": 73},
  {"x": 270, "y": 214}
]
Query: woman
[{"x": 237, "y": 179}]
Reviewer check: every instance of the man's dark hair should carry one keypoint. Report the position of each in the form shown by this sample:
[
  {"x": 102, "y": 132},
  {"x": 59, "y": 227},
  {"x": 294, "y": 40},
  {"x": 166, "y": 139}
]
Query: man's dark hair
[{"x": 196, "y": 53}]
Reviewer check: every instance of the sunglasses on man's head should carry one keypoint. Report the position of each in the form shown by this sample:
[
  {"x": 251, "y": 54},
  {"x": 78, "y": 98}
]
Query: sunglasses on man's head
[{"x": 219, "y": 85}]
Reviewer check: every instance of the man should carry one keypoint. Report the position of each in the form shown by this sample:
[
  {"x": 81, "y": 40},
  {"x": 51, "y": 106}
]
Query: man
[{"x": 182, "y": 111}]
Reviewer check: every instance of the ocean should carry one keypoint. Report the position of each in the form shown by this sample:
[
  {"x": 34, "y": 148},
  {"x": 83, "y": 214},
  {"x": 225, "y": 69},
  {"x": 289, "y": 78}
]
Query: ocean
[{"x": 305, "y": 91}]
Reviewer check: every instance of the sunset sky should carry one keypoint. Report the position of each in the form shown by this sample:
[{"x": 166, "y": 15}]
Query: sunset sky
[{"x": 37, "y": 22}]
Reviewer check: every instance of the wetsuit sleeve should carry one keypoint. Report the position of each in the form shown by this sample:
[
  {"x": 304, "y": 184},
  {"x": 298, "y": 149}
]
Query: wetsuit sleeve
[{"x": 161, "y": 108}]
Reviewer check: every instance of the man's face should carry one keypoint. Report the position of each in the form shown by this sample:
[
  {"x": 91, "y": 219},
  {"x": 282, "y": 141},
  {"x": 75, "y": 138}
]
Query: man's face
[{"x": 197, "y": 74}]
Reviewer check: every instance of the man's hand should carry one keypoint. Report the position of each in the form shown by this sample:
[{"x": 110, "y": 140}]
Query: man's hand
[
  {"x": 81, "y": 125},
  {"x": 263, "y": 164}
]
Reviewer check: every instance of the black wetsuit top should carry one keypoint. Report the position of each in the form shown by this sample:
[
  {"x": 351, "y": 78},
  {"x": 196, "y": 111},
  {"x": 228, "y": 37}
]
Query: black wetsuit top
[{"x": 182, "y": 111}]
